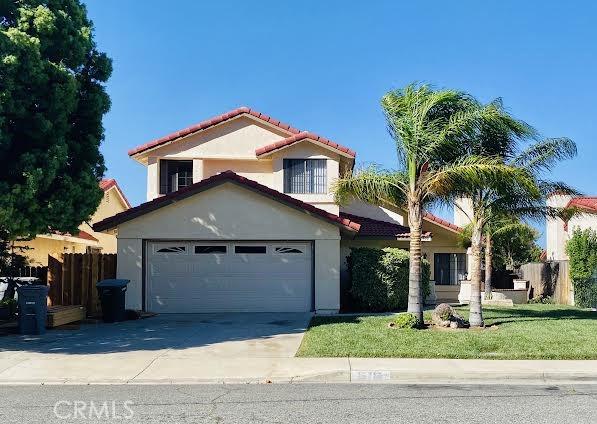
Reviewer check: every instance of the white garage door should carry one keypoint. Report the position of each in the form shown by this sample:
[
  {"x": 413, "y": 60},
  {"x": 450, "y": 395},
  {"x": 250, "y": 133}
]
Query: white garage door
[{"x": 192, "y": 277}]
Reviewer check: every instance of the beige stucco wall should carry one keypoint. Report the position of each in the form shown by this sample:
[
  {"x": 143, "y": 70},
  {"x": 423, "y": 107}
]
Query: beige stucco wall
[
  {"x": 257, "y": 170},
  {"x": 368, "y": 210},
  {"x": 237, "y": 138},
  {"x": 234, "y": 213},
  {"x": 40, "y": 247}
]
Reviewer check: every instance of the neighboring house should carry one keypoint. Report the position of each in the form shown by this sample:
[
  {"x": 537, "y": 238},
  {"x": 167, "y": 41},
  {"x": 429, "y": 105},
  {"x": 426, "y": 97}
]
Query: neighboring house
[
  {"x": 86, "y": 240},
  {"x": 240, "y": 216},
  {"x": 560, "y": 231}
]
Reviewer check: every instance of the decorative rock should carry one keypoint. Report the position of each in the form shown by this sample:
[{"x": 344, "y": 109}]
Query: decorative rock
[{"x": 445, "y": 316}]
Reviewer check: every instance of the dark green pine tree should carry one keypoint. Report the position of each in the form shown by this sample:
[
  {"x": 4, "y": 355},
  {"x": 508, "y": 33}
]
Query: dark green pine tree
[{"x": 52, "y": 101}]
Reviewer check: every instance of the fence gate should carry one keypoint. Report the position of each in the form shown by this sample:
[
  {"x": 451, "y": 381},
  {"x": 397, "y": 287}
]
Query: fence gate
[{"x": 72, "y": 278}]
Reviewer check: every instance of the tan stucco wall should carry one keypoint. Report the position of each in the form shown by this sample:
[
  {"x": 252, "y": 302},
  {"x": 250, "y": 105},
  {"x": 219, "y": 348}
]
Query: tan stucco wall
[
  {"x": 368, "y": 210},
  {"x": 257, "y": 170},
  {"x": 234, "y": 213},
  {"x": 237, "y": 138},
  {"x": 40, "y": 248}
]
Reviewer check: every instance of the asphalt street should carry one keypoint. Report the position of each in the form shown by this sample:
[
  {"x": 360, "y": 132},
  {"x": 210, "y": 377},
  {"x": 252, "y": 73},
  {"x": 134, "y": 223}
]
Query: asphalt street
[{"x": 298, "y": 403}]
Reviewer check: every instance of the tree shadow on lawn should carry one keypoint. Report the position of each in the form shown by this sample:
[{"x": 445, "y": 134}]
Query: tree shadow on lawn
[{"x": 513, "y": 315}]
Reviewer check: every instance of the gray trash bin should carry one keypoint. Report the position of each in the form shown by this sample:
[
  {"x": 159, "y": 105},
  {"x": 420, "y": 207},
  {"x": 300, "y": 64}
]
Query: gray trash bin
[
  {"x": 33, "y": 309},
  {"x": 112, "y": 296}
]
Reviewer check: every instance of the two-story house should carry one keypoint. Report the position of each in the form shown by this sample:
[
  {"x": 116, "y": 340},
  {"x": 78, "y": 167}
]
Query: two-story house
[
  {"x": 86, "y": 240},
  {"x": 240, "y": 216}
]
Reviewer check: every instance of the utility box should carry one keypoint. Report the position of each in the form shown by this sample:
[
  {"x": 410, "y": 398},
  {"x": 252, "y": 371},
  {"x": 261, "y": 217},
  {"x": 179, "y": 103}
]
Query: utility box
[
  {"x": 33, "y": 309},
  {"x": 112, "y": 296}
]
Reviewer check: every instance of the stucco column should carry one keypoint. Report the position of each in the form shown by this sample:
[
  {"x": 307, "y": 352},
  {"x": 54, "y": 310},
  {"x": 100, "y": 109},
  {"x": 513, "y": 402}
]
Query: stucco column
[
  {"x": 152, "y": 178},
  {"x": 197, "y": 170},
  {"x": 327, "y": 276},
  {"x": 129, "y": 266}
]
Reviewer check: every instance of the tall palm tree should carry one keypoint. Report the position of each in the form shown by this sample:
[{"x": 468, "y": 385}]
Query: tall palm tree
[
  {"x": 525, "y": 198},
  {"x": 430, "y": 129}
]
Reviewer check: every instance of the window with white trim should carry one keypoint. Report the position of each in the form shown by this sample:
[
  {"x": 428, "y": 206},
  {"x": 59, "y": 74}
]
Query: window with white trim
[{"x": 305, "y": 176}]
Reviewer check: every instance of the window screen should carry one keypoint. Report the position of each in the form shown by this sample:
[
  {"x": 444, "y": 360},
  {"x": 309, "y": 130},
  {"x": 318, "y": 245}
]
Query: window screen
[
  {"x": 449, "y": 268},
  {"x": 250, "y": 249},
  {"x": 175, "y": 174},
  {"x": 199, "y": 250},
  {"x": 305, "y": 176}
]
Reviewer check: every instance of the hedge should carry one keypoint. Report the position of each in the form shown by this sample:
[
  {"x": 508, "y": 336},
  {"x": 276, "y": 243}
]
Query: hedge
[
  {"x": 379, "y": 278},
  {"x": 582, "y": 252}
]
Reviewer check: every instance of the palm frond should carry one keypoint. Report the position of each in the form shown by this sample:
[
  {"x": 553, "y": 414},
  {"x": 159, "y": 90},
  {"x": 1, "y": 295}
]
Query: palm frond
[
  {"x": 542, "y": 155},
  {"x": 372, "y": 185}
]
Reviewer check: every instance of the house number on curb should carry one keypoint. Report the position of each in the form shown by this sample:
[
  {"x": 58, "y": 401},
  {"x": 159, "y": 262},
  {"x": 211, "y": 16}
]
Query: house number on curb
[{"x": 369, "y": 375}]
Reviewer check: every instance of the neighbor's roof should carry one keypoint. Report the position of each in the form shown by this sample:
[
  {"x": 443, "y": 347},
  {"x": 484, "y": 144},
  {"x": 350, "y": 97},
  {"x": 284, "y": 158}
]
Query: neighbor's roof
[
  {"x": 376, "y": 229},
  {"x": 587, "y": 203},
  {"x": 107, "y": 184},
  {"x": 206, "y": 184},
  {"x": 216, "y": 120}
]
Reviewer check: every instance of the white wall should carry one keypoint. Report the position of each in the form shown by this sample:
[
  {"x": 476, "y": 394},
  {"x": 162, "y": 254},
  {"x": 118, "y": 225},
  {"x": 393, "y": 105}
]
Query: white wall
[
  {"x": 556, "y": 235},
  {"x": 463, "y": 211}
]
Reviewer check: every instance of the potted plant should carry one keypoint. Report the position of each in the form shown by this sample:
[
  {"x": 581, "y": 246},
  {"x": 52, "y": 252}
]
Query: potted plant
[{"x": 8, "y": 307}]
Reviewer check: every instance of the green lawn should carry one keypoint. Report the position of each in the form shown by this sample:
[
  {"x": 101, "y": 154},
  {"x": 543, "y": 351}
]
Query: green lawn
[{"x": 522, "y": 332}]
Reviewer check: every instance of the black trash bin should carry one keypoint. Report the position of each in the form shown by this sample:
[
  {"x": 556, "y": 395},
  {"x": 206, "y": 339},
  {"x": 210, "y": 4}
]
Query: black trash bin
[
  {"x": 33, "y": 309},
  {"x": 112, "y": 295}
]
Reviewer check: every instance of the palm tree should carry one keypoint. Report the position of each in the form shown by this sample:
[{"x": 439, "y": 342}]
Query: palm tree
[
  {"x": 520, "y": 198},
  {"x": 430, "y": 129}
]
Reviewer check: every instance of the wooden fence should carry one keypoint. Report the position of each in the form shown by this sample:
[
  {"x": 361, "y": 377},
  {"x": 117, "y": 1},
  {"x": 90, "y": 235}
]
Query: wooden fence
[
  {"x": 72, "y": 278},
  {"x": 550, "y": 278}
]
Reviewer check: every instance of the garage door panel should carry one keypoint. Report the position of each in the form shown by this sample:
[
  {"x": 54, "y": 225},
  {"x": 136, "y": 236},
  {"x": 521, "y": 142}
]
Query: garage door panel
[{"x": 180, "y": 280}]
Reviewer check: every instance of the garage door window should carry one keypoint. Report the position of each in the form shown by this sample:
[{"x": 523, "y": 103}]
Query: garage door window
[
  {"x": 283, "y": 250},
  {"x": 250, "y": 249},
  {"x": 171, "y": 249},
  {"x": 204, "y": 250}
]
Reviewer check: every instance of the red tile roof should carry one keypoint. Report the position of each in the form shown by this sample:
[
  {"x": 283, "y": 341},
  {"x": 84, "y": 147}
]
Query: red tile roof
[
  {"x": 227, "y": 176},
  {"x": 587, "y": 203},
  {"x": 86, "y": 236},
  {"x": 210, "y": 123},
  {"x": 300, "y": 137},
  {"x": 107, "y": 184},
  {"x": 446, "y": 224},
  {"x": 233, "y": 114},
  {"x": 373, "y": 228}
]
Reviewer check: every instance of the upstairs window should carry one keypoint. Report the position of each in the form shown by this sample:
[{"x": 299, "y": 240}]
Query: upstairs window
[
  {"x": 305, "y": 176},
  {"x": 175, "y": 174}
]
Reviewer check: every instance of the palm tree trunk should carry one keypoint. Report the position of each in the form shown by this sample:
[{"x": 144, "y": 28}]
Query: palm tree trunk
[
  {"x": 488, "y": 265},
  {"x": 476, "y": 314},
  {"x": 415, "y": 294}
]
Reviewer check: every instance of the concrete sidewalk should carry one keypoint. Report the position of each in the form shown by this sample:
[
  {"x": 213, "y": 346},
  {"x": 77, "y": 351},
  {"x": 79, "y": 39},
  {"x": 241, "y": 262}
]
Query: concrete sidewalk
[{"x": 167, "y": 367}]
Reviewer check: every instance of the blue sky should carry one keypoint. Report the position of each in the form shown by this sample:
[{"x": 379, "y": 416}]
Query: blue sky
[{"x": 323, "y": 66}]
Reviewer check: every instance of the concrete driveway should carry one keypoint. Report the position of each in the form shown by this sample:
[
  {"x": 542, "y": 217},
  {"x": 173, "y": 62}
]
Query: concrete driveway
[{"x": 160, "y": 347}]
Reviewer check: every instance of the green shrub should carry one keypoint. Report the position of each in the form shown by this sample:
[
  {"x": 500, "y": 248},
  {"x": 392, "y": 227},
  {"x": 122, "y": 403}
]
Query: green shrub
[
  {"x": 379, "y": 278},
  {"x": 582, "y": 251},
  {"x": 405, "y": 320}
]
